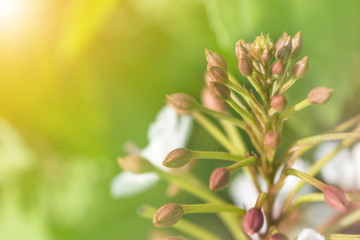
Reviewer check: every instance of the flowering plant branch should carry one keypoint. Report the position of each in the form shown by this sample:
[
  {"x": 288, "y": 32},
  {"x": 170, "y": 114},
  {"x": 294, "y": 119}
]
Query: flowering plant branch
[{"x": 260, "y": 112}]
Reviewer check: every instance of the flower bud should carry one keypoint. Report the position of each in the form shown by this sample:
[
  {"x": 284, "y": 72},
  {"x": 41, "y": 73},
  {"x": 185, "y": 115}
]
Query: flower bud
[
  {"x": 212, "y": 103},
  {"x": 177, "y": 158},
  {"x": 168, "y": 215},
  {"x": 262, "y": 48},
  {"x": 241, "y": 48},
  {"x": 253, "y": 221},
  {"x": 278, "y": 68},
  {"x": 181, "y": 102},
  {"x": 278, "y": 102},
  {"x": 336, "y": 199},
  {"x": 135, "y": 164},
  {"x": 319, "y": 95},
  {"x": 215, "y": 59},
  {"x": 285, "y": 50},
  {"x": 279, "y": 236},
  {"x": 245, "y": 65},
  {"x": 267, "y": 55},
  {"x": 219, "y": 91},
  {"x": 301, "y": 68},
  {"x": 273, "y": 139},
  {"x": 217, "y": 74},
  {"x": 297, "y": 45},
  {"x": 281, "y": 40},
  {"x": 219, "y": 178}
]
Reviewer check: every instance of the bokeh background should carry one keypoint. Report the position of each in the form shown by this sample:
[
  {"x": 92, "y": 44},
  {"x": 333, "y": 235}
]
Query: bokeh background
[{"x": 79, "y": 78}]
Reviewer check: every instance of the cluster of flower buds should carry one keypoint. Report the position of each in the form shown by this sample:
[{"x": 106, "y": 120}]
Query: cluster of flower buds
[{"x": 260, "y": 112}]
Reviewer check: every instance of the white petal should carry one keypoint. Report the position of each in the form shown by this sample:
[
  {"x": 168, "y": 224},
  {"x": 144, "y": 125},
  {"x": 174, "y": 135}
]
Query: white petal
[
  {"x": 347, "y": 172},
  {"x": 243, "y": 191},
  {"x": 255, "y": 236},
  {"x": 127, "y": 184},
  {"x": 184, "y": 130},
  {"x": 165, "y": 119},
  {"x": 310, "y": 234},
  {"x": 356, "y": 158},
  {"x": 168, "y": 132}
]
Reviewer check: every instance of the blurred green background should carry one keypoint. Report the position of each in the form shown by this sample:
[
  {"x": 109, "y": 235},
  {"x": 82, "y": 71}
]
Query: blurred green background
[{"x": 79, "y": 78}]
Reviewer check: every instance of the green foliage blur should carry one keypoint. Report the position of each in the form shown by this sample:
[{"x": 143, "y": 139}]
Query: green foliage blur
[{"x": 79, "y": 78}]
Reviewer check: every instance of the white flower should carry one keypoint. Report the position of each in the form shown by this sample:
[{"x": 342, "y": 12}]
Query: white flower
[
  {"x": 310, "y": 234},
  {"x": 342, "y": 170},
  {"x": 169, "y": 131}
]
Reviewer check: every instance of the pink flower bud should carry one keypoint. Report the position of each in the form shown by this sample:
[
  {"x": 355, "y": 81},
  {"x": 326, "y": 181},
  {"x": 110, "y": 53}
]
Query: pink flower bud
[
  {"x": 266, "y": 55},
  {"x": 219, "y": 178},
  {"x": 245, "y": 65},
  {"x": 281, "y": 40},
  {"x": 168, "y": 215},
  {"x": 279, "y": 236},
  {"x": 301, "y": 68},
  {"x": 219, "y": 91},
  {"x": 212, "y": 103},
  {"x": 217, "y": 74},
  {"x": 181, "y": 102},
  {"x": 253, "y": 221},
  {"x": 284, "y": 50},
  {"x": 278, "y": 102},
  {"x": 319, "y": 95},
  {"x": 177, "y": 158},
  {"x": 215, "y": 59},
  {"x": 278, "y": 68},
  {"x": 273, "y": 139},
  {"x": 297, "y": 45},
  {"x": 336, "y": 199},
  {"x": 241, "y": 48}
]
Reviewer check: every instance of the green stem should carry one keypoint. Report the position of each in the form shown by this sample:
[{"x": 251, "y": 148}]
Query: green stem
[
  {"x": 182, "y": 225},
  {"x": 241, "y": 164},
  {"x": 258, "y": 88},
  {"x": 233, "y": 80},
  {"x": 260, "y": 200},
  {"x": 211, "y": 208},
  {"x": 215, "y": 132},
  {"x": 309, "y": 179},
  {"x": 234, "y": 135},
  {"x": 195, "y": 188},
  {"x": 311, "y": 141},
  {"x": 288, "y": 84},
  {"x": 243, "y": 113},
  {"x": 246, "y": 96},
  {"x": 190, "y": 185},
  {"x": 297, "y": 107},
  {"x": 219, "y": 115},
  {"x": 217, "y": 155},
  {"x": 307, "y": 198}
]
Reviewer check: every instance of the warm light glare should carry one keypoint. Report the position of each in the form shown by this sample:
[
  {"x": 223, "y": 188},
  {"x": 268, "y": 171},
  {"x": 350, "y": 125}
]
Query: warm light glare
[{"x": 12, "y": 13}]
